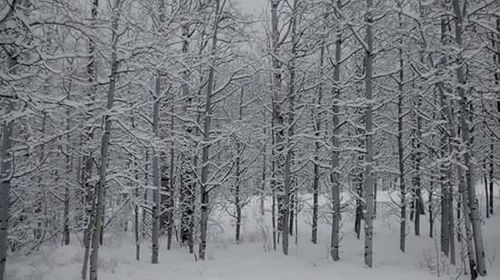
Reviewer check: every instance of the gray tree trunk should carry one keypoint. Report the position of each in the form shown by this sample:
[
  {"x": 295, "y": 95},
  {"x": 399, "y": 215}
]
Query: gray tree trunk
[
  {"x": 491, "y": 176},
  {"x": 137, "y": 222},
  {"x": 369, "y": 183},
  {"x": 6, "y": 172},
  {"x": 155, "y": 216},
  {"x": 335, "y": 236},
  {"x": 237, "y": 185},
  {"x": 486, "y": 191},
  {"x": 207, "y": 117},
  {"x": 497, "y": 83},
  {"x": 278, "y": 127},
  {"x": 6, "y": 169},
  {"x": 171, "y": 186},
  {"x": 264, "y": 179},
  {"x": 447, "y": 147},
  {"x": 287, "y": 225},
  {"x": 100, "y": 186},
  {"x": 88, "y": 185},
  {"x": 187, "y": 185},
  {"x": 317, "y": 145},
  {"x": 472, "y": 201},
  {"x": 155, "y": 233},
  {"x": 69, "y": 169},
  {"x": 401, "y": 156}
]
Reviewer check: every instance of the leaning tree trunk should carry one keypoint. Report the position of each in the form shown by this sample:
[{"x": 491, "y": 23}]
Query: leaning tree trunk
[
  {"x": 472, "y": 201},
  {"x": 98, "y": 222}
]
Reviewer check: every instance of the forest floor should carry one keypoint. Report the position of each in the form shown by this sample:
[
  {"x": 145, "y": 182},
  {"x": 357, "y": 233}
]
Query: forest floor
[{"x": 254, "y": 258}]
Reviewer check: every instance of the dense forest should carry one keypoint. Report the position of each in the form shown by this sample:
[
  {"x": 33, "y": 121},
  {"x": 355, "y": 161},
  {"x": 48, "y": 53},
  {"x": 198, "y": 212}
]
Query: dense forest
[{"x": 154, "y": 117}]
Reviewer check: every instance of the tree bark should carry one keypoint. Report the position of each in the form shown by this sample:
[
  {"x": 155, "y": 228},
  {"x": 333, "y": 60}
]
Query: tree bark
[
  {"x": 492, "y": 178},
  {"x": 237, "y": 185},
  {"x": 263, "y": 186},
  {"x": 486, "y": 191},
  {"x": 471, "y": 192},
  {"x": 369, "y": 194},
  {"x": 335, "y": 175},
  {"x": 171, "y": 182},
  {"x": 279, "y": 130},
  {"x": 204, "y": 190},
  {"x": 155, "y": 234},
  {"x": 100, "y": 186},
  {"x": 401, "y": 156},
  {"x": 89, "y": 186},
  {"x": 6, "y": 169},
  {"x": 69, "y": 169}
]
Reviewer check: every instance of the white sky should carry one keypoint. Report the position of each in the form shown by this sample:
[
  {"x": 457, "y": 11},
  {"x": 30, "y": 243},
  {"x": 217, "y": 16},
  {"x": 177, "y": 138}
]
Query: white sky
[{"x": 255, "y": 7}]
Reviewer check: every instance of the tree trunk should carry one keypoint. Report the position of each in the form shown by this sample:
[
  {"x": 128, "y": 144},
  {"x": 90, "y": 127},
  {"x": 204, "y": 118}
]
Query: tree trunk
[
  {"x": 486, "y": 192},
  {"x": 492, "y": 178},
  {"x": 335, "y": 189},
  {"x": 137, "y": 226},
  {"x": 369, "y": 194},
  {"x": 451, "y": 225},
  {"x": 237, "y": 186},
  {"x": 205, "y": 207},
  {"x": 155, "y": 234},
  {"x": 69, "y": 169},
  {"x": 471, "y": 192},
  {"x": 145, "y": 195},
  {"x": 279, "y": 160},
  {"x": 401, "y": 156},
  {"x": 171, "y": 182},
  {"x": 89, "y": 186},
  {"x": 359, "y": 205},
  {"x": 100, "y": 186},
  {"x": 263, "y": 186},
  {"x": 431, "y": 209},
  {"x": 317, "y": 146},
  {"x": 187, "y": 182},
  {"x": 6, "y": 169},
  {"x": 497, "y": 83}
]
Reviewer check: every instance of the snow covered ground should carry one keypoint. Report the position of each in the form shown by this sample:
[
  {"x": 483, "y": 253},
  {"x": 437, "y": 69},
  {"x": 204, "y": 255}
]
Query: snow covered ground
[{"x": 253, "y": 259}]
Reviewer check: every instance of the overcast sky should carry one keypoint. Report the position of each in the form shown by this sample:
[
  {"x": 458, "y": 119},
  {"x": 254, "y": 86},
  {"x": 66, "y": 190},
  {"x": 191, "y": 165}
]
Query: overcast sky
[{"x": 252, "y": 6}]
